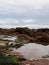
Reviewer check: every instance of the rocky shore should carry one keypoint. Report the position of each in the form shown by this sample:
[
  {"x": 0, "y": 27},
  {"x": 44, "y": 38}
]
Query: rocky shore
[
  {"x": 35, "y": 62},
  {"x": 28, "y": 35},
  {"x": 40, "y": 36}
]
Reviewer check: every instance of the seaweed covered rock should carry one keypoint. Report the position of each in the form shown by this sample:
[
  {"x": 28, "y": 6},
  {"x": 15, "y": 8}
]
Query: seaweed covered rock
[{"x": 24, "y": 37}]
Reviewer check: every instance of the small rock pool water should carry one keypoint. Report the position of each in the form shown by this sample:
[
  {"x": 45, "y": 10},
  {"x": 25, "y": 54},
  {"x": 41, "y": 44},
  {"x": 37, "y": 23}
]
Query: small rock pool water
[{"x": 34, "y": 51}]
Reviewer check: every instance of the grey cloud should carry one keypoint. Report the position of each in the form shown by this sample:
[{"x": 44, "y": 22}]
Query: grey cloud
[{"x": 20, "y": 12}]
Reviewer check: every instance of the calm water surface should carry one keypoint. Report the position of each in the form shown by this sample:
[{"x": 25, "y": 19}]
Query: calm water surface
[{"x": 34, "y": 51}]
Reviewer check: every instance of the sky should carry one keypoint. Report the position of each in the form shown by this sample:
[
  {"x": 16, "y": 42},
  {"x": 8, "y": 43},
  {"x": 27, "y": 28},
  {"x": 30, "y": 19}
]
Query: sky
[{"x": 24, "y": 13}]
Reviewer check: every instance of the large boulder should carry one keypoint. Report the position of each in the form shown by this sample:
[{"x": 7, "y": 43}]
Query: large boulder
[
  {"x": 43, "y": 39},
  {"x": 24, "y": 30},
  {"x": 43, "y": 30},
  {"x": 24, "y": 37}
]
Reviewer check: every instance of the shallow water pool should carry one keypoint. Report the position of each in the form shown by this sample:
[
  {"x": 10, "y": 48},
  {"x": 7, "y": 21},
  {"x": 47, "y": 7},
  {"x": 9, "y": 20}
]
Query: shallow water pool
[{"x": 34, "y": 51}]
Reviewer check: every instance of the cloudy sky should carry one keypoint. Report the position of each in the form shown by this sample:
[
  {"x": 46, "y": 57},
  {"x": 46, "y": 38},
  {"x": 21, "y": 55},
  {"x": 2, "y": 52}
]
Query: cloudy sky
[{"x": 24, "y": 13}]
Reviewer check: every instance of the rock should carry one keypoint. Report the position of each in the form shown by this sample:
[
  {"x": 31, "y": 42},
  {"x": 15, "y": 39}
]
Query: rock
[
  {"x": 43, "y": 39},
  {"x": 24, "y": 37},
  {"x": 35, "y": 62},
  {"x": 24, "y": 30},
  {"x": 28, "y": 35},
  {"x": 32, "y": 40},
  {"x": 43, "y": 30}
]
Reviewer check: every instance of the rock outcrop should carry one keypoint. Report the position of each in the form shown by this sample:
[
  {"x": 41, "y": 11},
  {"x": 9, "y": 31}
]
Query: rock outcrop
[{"x": 31, "y": 35}]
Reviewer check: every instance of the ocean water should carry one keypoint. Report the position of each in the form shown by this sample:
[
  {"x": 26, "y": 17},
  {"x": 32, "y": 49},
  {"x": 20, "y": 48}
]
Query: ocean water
[{"x": 32, "y": 51}]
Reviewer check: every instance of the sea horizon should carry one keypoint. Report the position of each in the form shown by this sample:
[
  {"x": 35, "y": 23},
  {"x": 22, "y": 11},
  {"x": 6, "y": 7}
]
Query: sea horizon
[{"x": 29, "y": 26}]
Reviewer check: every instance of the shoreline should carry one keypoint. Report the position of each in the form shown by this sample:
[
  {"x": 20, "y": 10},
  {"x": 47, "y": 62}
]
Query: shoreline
[{"x": 28, "y": 35}]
